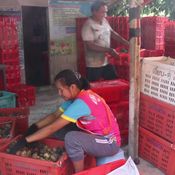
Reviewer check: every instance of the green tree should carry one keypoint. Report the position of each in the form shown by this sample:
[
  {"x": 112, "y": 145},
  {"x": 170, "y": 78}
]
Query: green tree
[
  {"x": 120, "y": 8},
  {"x": 161, "y": 8},
  {"x": 156, "y": 7}
]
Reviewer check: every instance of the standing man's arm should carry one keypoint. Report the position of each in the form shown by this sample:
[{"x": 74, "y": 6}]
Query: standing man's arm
[
  {"x": 119, "y": 38},
  {"x": 92, "y": 46},
  {"x": 88, "y": 39}
]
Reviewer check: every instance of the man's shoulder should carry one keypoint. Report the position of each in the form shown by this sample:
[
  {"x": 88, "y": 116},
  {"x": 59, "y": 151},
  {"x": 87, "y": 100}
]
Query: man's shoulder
[
  {"x": 88, "y": 24},
  {"x": 89, "y": 21}
]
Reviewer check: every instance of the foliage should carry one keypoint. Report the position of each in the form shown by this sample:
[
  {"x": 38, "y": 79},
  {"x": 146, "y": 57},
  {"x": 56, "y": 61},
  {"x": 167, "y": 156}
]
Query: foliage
[
  {"x": 156, "y": 7},
  {"x": 119, "y": 9},
  {"x": 161, "y": 7}
]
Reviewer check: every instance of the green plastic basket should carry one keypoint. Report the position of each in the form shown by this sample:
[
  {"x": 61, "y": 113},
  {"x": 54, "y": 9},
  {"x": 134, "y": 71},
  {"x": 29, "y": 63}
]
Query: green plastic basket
[{"x": 7, "y": 99}]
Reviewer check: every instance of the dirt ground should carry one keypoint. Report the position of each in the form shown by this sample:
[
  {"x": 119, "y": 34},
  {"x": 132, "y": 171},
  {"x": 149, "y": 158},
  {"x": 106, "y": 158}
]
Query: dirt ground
[{"x": 47, "y": 101}]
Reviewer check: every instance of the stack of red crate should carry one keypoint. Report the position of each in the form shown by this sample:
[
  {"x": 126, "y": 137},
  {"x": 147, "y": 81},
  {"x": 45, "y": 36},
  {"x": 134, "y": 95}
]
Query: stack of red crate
[
  {"x": 157, "y": 119},
  {"x": 80, "y": 46},
  {"x": 9, "y": 56},
  {"x": 122, "y": 64},
  {"x": 2, "y": 86},
  {"x": 25, "y": 94},
  {"x": 9, "y": 52},
  {"x": 13, "y": 76},
  {"x": 116, "y": 95},
  {"x": 152, "y": 35},
  {"x": 120, "y": 24},
  {"x": 170, "y": 39},
  {"x": 157, "y": 133}
]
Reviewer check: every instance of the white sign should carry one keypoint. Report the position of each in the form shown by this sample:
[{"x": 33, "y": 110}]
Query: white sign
[{"x": 129, "y": 168}]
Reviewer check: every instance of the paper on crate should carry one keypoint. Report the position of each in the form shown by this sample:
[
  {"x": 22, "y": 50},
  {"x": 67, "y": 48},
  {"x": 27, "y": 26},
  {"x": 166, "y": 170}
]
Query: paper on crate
[
  {"x": 158, "y": 78},
  {"x": 129, "y": 168}
]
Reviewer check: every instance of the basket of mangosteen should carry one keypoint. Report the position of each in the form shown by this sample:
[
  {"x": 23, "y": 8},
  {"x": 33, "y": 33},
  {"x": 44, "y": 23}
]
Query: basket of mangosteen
[
  {"x": 7, "y": 129},
  {"x": 47, "y": 156}
]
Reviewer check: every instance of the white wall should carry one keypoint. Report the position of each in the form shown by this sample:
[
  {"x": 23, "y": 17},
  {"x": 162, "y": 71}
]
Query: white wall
[
  {"x": 17, "y": 3},
  {"x": 39, "y": 3},
  {"x": 9, "y": 4}
]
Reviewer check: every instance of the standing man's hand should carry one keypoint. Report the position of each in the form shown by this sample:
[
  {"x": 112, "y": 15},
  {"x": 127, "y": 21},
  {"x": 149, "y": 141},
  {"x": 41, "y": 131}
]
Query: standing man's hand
[{"x": 114, "y": 53}]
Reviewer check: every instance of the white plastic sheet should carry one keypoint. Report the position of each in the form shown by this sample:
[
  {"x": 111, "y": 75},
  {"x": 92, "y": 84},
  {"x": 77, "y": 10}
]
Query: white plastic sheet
[{"x": 129, "y": 168}]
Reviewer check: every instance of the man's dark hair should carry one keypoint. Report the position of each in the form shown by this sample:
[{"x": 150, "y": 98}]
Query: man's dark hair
[{"x": 97, "y": 4}]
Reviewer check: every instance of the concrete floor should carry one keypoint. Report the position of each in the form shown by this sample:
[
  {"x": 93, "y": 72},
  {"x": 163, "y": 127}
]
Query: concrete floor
[{"x": 47, "y": 101}]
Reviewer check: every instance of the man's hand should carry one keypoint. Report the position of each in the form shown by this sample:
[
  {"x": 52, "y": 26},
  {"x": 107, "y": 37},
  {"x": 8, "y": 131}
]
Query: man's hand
[
  {"x": 114, "y": 53},
  {"x": 19, "y": 145},
  {"x": 32, "y": 129}
]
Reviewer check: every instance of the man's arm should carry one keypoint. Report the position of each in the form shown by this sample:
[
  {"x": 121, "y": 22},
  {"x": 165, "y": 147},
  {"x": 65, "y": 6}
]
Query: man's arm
[
  {"x": 48, "y": 119},
  {"x": 119, "y": 38},
  {"x": 48, "y": 130},
  {"x": 92, "y": 46}
]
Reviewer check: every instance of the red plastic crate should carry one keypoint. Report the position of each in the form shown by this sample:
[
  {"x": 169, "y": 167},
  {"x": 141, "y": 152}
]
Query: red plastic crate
[
  {"x": 11, "y": 82},
  {"x": 158, "y": 117},
  {"x": 121, "y": 26},
  {"x": 157, "y": 151},
  {"x": 153, "y": 32},
  {"x": 39, "y": 167},
  {"x": 9, "y": 57},
  {"x": 111, "y": 90},
  {"x": 121, "y": 112},
  {"x": 103, "y": 169},
  {"x": 25, "y": 94},
  {"x": 17, "y": 165},
  {"x": 124, "y": 137},
  {"x": 144, "y": 53},
  {"x": 151, "y": 53},
  {"x": 11, "y": 134},
  {"x": 123, "y": 71},
  {"x": 124, "y": 57},
  {"x": 2, "y": 85},
  {"x": 80, "y": 46},
  {"x": 21, "y": 115},
  {"x": 155, "y": 53},
  {"x": 81, "y": 63},
  {"x": 24, "y": 90},
  {"x": 170, "y": 54},
  {"x": 12, "y": 71}
]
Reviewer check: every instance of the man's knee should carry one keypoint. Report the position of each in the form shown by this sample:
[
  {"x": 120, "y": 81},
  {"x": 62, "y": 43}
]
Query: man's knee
[
  {"x": 73, "y": 146},
  {"x": 70, "y": 137}
]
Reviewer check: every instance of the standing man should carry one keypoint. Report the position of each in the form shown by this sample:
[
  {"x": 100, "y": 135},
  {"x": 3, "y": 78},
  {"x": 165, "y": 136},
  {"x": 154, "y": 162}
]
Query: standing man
[{"x": 96, "y": 34}]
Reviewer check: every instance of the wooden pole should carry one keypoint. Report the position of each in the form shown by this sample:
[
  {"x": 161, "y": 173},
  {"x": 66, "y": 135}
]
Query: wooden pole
[{"x": 134, "y": 94}]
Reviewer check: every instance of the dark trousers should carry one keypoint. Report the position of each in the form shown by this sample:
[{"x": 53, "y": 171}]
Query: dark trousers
[
  {"x": 107, "y": 72},
  {"x": 77, "y": 143}
]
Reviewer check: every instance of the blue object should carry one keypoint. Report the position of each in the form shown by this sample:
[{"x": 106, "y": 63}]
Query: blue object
[
  {"x": 107, "y": 159},
  {"x": 7, "y": 99}
]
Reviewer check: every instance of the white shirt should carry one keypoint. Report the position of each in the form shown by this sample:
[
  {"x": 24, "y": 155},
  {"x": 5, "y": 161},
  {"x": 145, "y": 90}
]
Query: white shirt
[{"x": 99, "y": 34}]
